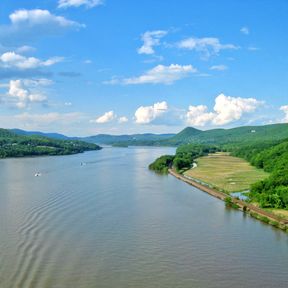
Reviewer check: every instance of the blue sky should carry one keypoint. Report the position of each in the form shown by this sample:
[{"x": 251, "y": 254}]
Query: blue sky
[{"x": 83, "y": 67}]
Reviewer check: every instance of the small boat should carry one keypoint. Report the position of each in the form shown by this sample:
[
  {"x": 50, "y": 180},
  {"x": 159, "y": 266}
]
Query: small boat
[{"x": 37, "y": 174}]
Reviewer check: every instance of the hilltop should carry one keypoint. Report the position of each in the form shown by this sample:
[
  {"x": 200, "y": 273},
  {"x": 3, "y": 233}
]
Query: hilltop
[{"x": 242, "y": 134}]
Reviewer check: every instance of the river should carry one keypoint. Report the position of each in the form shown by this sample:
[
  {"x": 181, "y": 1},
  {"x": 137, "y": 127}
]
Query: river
[{"x": 111, "y": 222}]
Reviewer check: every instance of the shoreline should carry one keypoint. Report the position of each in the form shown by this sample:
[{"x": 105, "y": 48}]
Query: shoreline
[
  {"x": 47, "y": 155},
  {"x": 254, "y": 211}
]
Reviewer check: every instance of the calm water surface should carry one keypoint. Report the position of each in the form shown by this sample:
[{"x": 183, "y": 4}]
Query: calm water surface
[{"x": 113, "y": 223}]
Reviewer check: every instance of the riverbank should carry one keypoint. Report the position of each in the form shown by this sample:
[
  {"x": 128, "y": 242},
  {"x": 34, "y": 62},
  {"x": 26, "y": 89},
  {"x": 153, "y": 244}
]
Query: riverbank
[{"x": 254, "y": 211}]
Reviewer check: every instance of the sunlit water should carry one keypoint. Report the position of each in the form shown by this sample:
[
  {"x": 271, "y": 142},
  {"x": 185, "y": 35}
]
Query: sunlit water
[{"x": 113, "y": 223}]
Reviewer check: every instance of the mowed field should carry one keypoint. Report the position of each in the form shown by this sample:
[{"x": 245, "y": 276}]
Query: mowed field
[{"x": 226, "y": 172}]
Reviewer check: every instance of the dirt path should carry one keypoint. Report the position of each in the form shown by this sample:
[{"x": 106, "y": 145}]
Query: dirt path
[{"x": 222, "y": 196}]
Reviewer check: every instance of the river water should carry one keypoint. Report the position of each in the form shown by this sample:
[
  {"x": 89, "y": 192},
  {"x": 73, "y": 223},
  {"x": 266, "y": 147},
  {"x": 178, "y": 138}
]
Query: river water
[{"x": 113, "y": 223}]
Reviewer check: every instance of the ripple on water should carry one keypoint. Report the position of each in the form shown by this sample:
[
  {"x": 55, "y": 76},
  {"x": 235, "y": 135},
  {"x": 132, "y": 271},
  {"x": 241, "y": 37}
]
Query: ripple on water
[{"x": 113, "y": 223}]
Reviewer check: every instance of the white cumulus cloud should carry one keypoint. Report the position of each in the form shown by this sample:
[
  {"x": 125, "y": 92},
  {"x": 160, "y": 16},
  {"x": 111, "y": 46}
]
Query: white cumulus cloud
[
  {"x": 14, "y": 60},
  {"x": 151, "y": 39},
  {"x": 78, "y": 3},
  {"x": 226, "y": 110},
  {"x": 229, "y": 108},
  {"x": 147, "y": 114},
  {"x": 37, "y": 17},
  {"x": 285, "y": 110},
  {"x": 122, "y": 119},
  {"x": 22, "y": 96},
  {"x": 198, "y": 115},
  {"x": 27, "y": 25},
  {"x": 207, "y": 46},
  {"x": 161, "y": 74},
  {"x": 105, "y": 118}
]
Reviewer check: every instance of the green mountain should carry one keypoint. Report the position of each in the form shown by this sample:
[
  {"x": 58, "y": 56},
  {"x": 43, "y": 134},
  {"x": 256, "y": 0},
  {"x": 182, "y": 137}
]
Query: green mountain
[
  {"x": 133, "y": 139},
  {"x": 137, "y": 139},
  {"x": 187, "y": 133},
  {"x": 49, "y": 135},
  {"x": 243, "y": 134},
  {"x": 15, "y": 145}
]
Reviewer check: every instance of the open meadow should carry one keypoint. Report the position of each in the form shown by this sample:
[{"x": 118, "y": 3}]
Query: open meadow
[{"x": 226, "y": 172}]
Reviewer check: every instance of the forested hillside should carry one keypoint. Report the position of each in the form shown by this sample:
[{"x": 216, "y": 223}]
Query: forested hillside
[
  {"x": 245, "y": 134},
  {"x": 273, "y": 158},
  {"x": 13, "y": 145}
]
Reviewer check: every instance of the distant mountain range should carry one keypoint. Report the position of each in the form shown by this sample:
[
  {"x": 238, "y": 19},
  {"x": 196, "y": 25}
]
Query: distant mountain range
[
  {"x": 130, "y": 139},
  {"x": 187, "y": 135},
  {"x": 234, "y": 135},
  {"x": 100, "y": 138},
  {"x": 49, "y": 135}
]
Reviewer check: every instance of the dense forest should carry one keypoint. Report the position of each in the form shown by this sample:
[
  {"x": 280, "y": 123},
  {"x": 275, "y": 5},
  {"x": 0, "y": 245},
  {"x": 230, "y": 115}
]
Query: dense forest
[
  {"x": 13, "y": 145},
  {"x": 273, "y": 158}
]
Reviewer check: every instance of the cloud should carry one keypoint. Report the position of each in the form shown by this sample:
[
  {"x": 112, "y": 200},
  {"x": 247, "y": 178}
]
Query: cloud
[
  {"x": 40, "y": 17},
  {"x": 147, "y": 114},
  {"x": 226, "y": 110},
  {"x": 17, "y": 61},
  {"x": 159, "y": 74},
  {"x": 25, "y": 49},
  {"x": 198, "y": 115},
  {"x": 87, "y": 61},
  {"x": 78, "y": 3},
  {"x": 27, "y": 25},
  {"x": 285, "y": 110},
  {"x": 207, "y": 46},
  {"x": 253, "y": 48},
  {"x": 122, "y": 119},
  {"x": 150, "y": 39},
  {"x": 245, "y": 30},
  {"x": 22, "y": 96},
  {"x": 109, "y": 117},
  {"x": 48, "y": 118},
  {"x": 105, "y": 118},
  {"x": 218, "y": 67},
  {"x": 229, "y": 108}
]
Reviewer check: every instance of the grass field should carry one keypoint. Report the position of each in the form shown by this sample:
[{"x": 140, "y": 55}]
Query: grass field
[
  {"x": 225, "y": 172},
  {"x": 280, "y": 212}
]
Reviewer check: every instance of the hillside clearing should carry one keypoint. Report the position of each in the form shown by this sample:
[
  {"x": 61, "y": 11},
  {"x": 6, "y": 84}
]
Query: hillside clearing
[{"x": 226, "y": 172}]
